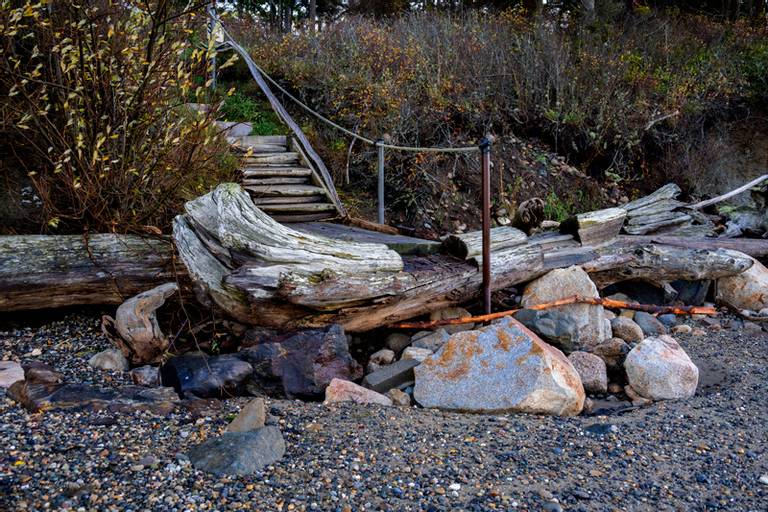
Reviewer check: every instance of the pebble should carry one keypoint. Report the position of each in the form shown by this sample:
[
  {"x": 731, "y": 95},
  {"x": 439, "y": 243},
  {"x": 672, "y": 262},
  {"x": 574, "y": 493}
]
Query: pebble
[{"x": 406, "y": 452}]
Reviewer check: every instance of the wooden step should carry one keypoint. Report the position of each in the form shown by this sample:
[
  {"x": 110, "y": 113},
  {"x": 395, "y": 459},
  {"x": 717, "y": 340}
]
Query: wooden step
[
  {"x": 285, "y": 172},
  {"x": 251, "y": 140},
  {"x": 298, "y": 207},
  {"x": 304, "y": 217},
  {"x": 275, "y": 181},
  {"x": 288, "y": 157},
  {"x": 261, "y": 148},
  {"x": 258, "y": 201},
  {"x": 284, "y": 190}
]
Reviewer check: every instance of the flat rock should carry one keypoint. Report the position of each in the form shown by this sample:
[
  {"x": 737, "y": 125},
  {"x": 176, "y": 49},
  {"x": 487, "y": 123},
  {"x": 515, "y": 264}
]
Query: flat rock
[
  {"x": 571, "y": 327},
  {"x": 251, "y": 417},
  {"x": 239, "y": 453},
  {"x": 451, "y": 314},
  {"x": 391, "y": 376},
  {"x": 501, "y": 368},
  {"x": 41, "y": 373},
  {"x": 344, "y": 391},
  {"x": 659, "y": 369},
  {"x": 592, "y": 370},
  {"x": 126, "y": 399},
  {"x": 110, "y": 359},
  {"x": 200, "y": 375},
  {"x": 626, "y": 329},
  {"x": 650, "y": 325},
  {"x": 306, "y": 362},
  {"x": 380, "y": 358},
  {"x": 748, "y": 290},
  {"x": 10, "y": 372}
]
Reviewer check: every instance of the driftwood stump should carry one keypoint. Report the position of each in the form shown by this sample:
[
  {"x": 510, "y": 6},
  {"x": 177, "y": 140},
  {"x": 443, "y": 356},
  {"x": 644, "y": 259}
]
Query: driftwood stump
[{"x": 135, "y": 329}]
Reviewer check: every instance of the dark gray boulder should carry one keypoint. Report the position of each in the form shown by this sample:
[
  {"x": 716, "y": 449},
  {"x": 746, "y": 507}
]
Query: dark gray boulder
[
  {"x": 306, "y": 362},
  {"x": 239, "y": 453},
  {"x": 197, "y": 374}
]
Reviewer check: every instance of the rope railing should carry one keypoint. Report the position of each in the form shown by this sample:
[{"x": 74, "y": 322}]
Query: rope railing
[
  {"x": 232, "y": 43},
  {"x": 484, "y": 148}
]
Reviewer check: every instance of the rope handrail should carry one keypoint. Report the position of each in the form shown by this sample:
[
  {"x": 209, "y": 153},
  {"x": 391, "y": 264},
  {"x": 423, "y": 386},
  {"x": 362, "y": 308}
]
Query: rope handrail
[{"x": 232, "y": 43}]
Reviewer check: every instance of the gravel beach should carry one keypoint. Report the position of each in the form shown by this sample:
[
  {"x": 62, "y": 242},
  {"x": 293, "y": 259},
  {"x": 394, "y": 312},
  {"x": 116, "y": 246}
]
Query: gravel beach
[{"x": 707, "y": 453}]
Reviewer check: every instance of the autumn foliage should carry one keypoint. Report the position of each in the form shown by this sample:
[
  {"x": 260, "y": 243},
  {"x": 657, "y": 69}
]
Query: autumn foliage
[{"x": 93, "y": 108}]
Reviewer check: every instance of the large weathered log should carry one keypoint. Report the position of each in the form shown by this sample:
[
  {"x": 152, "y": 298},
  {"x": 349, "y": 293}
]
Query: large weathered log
[
  {"x": 661, "y": 264},
  {"x": 38, "y": 272},
  {"x": 753, "y": 247},
  {"x": 266, "y": 274}
]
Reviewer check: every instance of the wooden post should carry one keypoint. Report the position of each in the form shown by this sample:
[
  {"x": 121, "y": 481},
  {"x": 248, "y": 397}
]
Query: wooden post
[
  {"x": 485, "y": 155},
  {"x": 381, "y": 180},
  {"x": 212, "y": 21}
]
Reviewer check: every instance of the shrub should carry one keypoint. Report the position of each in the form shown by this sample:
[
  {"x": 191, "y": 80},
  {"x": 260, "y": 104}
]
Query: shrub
[
  {"x": 602, "y": 94},
  {"x": 93, "y": 108},
  {"x": 240, "y": 107}
]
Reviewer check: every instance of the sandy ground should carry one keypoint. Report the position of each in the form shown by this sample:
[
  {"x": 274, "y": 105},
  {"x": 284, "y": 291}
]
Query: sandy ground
[{"x": 707, "y": 453}]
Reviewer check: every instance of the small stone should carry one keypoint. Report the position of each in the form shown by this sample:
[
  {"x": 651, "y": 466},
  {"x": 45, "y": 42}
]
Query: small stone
[
  {"x": 397, "y": 342},
  {"x": 455, "y": 487},
  {"x": 149, "y": 461},
  {"x": 36, "y": 352},
  {"x": 627, "y": 330},
  {"x": 110, "y": 359},
  {"x": 380, "y": 358},
  {"x": 609, "y": 315},
  {"x": 145, "y": 376},
  {"x": 251, "y": 417},
  {"x": 416, "y": 353},
  {"x": 634, "y": 397},
  {"x": 752, "y": 328},
  {"x": 431, "y": 340},
  {"x": 615, "y": 388},
  {"x": 682, "y": 329},
  {"x": 668, "y": 319},
  {"x": 763, "y": 313},
  {"x": 659, "y": 369},
  {"x": 345, "y": 391},
  {"x": 698, "y": 331},
  {"x": 649, "y": 324},
  {"x": 399, "y": 398},
  {"x": 592, "y": 371},
  {"x": 10, "y": 372},
  {"x": 613, "y": 352},
  {"x": 451, "y": 314},
  {"x": 764, "y": 479}
]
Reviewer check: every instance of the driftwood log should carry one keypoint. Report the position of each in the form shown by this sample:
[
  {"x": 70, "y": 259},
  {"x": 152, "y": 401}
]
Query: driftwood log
[
  {"x": 38, "y": 272},
  {"x": 264, "y": 273},
  {"x": 135, "y": 330}
]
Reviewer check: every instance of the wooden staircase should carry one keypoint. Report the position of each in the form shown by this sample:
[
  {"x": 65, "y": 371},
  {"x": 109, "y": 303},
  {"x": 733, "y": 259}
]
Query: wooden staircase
[{"x": 279, "y": 178}]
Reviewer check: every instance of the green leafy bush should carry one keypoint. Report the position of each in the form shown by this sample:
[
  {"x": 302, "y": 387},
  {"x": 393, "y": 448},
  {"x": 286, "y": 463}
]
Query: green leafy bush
[{"x": 240, "y": 107}]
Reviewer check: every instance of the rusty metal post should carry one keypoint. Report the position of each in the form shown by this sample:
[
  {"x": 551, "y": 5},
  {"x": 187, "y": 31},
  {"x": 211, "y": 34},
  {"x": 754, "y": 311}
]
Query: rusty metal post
[
  {"x": 381, "y": 180},
  {"x": 485, "y": 155}
]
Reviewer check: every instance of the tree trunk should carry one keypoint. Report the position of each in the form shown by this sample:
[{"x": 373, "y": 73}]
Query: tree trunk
[{"x": 39, "y": 272}]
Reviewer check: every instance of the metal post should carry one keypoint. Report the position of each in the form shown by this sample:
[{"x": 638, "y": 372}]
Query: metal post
[
  {"x": 381, "y": 180},
  {"x": 485, "y": 155}
]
